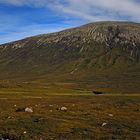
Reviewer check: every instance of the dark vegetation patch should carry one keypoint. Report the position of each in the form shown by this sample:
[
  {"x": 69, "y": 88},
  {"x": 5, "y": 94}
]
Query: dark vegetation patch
[
  {"x": 20, "y": 109},
  {"x": 98, "y": 92}
]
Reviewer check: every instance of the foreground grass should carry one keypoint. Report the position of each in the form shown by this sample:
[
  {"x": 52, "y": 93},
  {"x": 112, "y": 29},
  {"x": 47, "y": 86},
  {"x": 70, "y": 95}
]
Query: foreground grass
[{"x": 83, "y": 119}]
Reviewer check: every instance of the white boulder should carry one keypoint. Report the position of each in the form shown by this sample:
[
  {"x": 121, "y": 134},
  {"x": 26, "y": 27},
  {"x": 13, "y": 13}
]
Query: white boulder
[
  {"x": 63, "y": 108},
  {"x": 30, "y": 110}
]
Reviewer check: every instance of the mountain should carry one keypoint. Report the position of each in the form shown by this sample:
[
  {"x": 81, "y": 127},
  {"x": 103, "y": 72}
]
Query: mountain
[{"x": 102, "y": 55}]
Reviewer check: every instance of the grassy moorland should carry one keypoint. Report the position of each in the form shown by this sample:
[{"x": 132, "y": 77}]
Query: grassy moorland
[
  {"x": 53, "y": 77},
  {"x": 88, "y": 116}
]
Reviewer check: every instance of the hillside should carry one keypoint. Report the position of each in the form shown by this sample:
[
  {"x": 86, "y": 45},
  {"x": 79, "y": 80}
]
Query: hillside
[{"x": 102, "y": 55}]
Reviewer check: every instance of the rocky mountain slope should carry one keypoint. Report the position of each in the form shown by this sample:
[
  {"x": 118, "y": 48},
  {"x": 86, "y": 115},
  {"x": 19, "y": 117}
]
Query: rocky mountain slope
[{"x": 102, "y": 51}]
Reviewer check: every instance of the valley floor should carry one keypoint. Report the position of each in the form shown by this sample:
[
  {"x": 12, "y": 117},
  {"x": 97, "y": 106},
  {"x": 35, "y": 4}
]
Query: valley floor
[{"x": 69, "y": 117}]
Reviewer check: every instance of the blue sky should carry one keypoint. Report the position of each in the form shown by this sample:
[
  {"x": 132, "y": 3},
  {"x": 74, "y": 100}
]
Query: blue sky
[{"x": 24, "y": 18}]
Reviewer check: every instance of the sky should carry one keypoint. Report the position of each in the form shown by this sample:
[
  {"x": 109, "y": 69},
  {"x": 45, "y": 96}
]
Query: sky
[{"x": 23, "y": 18}]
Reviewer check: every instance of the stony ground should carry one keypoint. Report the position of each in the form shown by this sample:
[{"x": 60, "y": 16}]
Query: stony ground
[{"x": 67, "y": 117}]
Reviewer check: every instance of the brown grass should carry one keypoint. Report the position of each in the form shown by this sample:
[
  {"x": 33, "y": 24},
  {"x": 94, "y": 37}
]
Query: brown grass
[{"x": 82, "y": 120}]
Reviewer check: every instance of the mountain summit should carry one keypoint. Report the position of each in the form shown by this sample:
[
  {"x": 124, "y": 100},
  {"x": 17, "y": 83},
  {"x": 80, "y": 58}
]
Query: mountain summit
[{"x": 102, "y": 54}]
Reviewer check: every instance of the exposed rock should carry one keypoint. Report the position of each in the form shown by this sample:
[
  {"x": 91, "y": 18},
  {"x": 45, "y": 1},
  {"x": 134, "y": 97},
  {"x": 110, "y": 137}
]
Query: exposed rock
[
  {"x": 30, "y": 110},
  {"x": 111, "y": 115},
  {"x": 10, "y": 117},
  {"x": 104, "y": 124},
  {"x": 63, "y": 108},
  {"x": 24, "y": 132},
  {"x": 27, "y": 109}
]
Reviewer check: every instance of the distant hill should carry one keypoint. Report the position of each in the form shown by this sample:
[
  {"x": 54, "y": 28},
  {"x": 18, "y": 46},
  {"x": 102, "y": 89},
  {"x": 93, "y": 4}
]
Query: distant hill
[{"x": 102, "y": 55}]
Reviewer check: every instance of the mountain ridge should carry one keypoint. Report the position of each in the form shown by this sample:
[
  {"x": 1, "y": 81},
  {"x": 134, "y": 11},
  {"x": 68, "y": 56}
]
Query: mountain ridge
[
  {"x": 94, "y": 50},
  {"x": 92, "y": 24}
]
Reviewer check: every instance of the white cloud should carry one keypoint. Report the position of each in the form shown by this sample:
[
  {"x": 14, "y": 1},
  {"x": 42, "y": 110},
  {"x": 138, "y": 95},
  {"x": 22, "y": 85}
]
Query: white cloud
[
  {"x": 92, "y": 10},
  {"x": 101, "y": 9}
]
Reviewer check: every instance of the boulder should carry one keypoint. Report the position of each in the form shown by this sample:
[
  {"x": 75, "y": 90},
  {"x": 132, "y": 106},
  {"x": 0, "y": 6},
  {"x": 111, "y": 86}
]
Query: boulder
[
  {"x": 104, "y": 124},
  {"x": 63, "y": 108},
  {"x": 30, "y": 110},
  {"x": 111, "y": 115}
]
